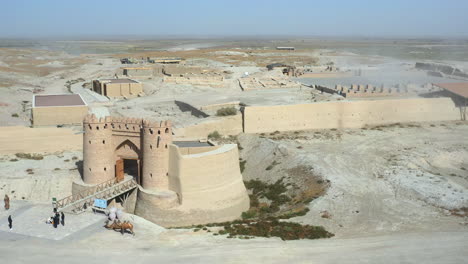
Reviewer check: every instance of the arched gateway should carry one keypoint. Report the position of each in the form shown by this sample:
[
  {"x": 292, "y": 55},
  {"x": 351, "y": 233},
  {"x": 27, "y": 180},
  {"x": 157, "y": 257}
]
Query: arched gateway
[
  {"x": 113, "y": 145},
  {"x": 178, "y": 186}
]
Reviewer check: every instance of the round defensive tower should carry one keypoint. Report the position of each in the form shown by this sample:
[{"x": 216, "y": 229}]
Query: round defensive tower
[
  {"x": 156, "y": 138},
  {"x": 98, "y": 158}
]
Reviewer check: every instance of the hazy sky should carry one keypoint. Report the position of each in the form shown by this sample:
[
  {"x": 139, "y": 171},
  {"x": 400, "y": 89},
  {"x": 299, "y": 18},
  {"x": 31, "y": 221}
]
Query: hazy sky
[{"x": 46, "y": 18}]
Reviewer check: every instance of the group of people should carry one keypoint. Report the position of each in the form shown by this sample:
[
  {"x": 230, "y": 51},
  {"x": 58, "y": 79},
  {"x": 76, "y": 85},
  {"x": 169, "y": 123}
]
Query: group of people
[{"x": 57, "y": 218}]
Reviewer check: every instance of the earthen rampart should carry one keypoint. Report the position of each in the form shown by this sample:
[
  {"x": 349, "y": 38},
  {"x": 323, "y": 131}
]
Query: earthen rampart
[{"x": 347, "y": 114}]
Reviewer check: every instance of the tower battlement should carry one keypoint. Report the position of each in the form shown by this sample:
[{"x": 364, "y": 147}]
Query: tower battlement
[{"x": 111, "y": 138}]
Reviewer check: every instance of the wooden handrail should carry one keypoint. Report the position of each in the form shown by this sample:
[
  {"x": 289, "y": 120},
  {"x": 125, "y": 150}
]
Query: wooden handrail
[{"x": 72, "y": 198}]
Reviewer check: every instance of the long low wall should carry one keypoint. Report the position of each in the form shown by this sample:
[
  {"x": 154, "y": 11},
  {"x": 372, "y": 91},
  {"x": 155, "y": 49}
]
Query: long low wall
[
  {"x": 347, "y": 114},
  {"x": 226, "y": 126}
]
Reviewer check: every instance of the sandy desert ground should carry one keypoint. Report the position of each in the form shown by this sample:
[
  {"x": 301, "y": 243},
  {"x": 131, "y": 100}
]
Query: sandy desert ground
[{"x": 396, "y": 193}]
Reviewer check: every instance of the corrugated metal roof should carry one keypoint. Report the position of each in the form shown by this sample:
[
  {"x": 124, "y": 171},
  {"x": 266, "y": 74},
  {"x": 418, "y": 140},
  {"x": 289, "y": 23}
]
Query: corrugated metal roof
[{"x": 460, "y": 89}]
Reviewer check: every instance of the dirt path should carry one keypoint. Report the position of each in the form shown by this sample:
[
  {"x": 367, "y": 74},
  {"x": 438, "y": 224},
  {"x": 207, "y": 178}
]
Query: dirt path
[{"x": 446, "y": 247}]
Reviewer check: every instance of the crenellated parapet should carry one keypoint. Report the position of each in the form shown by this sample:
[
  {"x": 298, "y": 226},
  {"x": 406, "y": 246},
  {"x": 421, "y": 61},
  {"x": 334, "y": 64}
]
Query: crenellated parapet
[
  {"x": 104, "y": 136},
  {"x": 126, "y": 124}
]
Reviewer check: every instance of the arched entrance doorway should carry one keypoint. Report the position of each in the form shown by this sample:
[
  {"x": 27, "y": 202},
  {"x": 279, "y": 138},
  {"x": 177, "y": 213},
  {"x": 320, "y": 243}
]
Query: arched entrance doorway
[{"x": 127, "y": 161}]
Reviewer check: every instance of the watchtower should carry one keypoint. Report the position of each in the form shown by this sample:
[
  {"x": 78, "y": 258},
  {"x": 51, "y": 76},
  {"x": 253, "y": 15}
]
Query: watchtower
[
  {"x": 156, "y": 138},
  {"x": 98, "y": 158}
]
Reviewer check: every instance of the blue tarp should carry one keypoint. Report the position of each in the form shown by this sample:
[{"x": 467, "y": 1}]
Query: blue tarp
[{"x": 100, "y": 203}]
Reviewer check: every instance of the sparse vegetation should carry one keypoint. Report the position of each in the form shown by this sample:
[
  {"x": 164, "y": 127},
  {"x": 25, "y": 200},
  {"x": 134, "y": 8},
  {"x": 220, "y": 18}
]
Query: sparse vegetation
[
  {"x": 14, "y": 115},
  {"x": 226, "y": 111},
  {"x": 23, "y": 104},
  {"x": 215, "y": 135},
  {"x": 249, "y": 214},
  {"x": 272, "y": 165},
  {"x": 29, "y": 156},
  {"x": 242, "y": 165}
]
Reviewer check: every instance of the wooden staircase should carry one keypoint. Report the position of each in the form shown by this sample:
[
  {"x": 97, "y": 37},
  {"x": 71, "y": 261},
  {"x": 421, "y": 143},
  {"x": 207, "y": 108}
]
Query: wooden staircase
[{"x": 106, "y": 191}]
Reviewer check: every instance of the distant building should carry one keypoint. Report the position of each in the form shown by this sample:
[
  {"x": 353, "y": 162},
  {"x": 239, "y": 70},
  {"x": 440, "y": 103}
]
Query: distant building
[
  {"x": 137, "y": 71},
  {"x": 285, "y": 69},
  {"x": 459, "y": 94},
  {"x": 118, "y": 87},
  {"x": 58, "y": 109},
  {"x": 285, "y": 48},
  {"x": 166, "y": 60}
]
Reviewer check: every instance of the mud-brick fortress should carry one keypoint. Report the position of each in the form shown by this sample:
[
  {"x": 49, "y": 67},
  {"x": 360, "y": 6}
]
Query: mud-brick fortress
[{"x": 178, "y": 185}]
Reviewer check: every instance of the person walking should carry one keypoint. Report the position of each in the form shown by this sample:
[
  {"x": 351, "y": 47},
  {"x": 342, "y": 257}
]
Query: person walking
[
  {"x": 63, "y": 218},
  {"x": 55, "y": 221},
  {"x": 57, "y": 215},
  {"x": 7, "y": 202},
  {"x": 10, "y": 222}
]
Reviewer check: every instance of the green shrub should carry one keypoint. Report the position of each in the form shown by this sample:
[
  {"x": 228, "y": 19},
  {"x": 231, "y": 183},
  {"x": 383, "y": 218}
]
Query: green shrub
[
  {"x": 29, "y": 156},
  {"x": 226, "y": 111},
  {"x": 214, "y": 135},
  {"x": 242, "y": 165},
  {"x": 249, "y": 214},
  {"x": 14, "y": 115},
  {"x": 275, "y": 228}
]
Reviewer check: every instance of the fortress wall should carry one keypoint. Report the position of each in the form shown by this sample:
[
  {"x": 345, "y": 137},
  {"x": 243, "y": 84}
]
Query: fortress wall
[
  {"x": 215, "y": 107},
  {"x": 347, "y": 114},
  {"x": 177, "y": 217},
  {"x": 209, "y": 180},
  {"x": 228, "y": 125},
  {"x": 196, "y": 150},
  {"x": 62, "y": 115},
  {"x": 212, "y": 81},
  {"x": 138, "y": 72}
]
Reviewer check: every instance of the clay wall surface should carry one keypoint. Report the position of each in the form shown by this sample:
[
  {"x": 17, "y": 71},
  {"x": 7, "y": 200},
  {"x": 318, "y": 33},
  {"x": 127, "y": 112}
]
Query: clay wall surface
[
  {"x": 156, "y": 138},
  {"x": 123, "y": 89},
  {"x": 347, "y": 114},
  {"x": 227, "y": 126},
  {"x": 138, "y": 72},
  {"x": 215, "y": 107},
  {"x": 148, "y": 207},
  {"x": 361, "y": 91},
  {"x": 200, "y": 80},
  {"x": 208, "y": 180},
  {"x": 196, "y": 150},
  {"x": 15, "y": 139},
  {"x": 60, "y": 115},
  {"x": 254, "y": 83},
  {"x": 198, "y": 193},
  {"x": 98, "y": 150}
]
